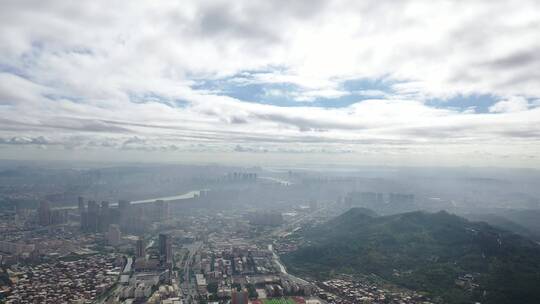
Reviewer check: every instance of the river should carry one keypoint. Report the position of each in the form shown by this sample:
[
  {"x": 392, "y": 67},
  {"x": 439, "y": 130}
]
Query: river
[{"x": 187, "y": 195}]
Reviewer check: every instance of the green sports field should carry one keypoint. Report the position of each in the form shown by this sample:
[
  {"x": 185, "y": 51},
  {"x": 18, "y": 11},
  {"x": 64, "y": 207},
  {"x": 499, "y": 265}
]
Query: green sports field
[{"x": 278, "y": 301}]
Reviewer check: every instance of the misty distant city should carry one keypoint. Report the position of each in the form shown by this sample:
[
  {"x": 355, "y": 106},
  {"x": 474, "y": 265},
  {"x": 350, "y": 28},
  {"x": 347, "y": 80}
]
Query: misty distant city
[{"x": 269, "y": 152}]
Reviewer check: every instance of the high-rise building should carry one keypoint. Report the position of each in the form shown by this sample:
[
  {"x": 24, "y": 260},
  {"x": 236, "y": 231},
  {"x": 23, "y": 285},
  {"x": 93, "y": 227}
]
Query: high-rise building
[
  {"x": 114, "y": 235},
  {"x": 162, "y": 208},
  {"x": 58, "y": 216},
  {"x": 83, "y": 213},
  {"x": 104, "y": 216},
  {"x": 140, "y": 249},
  {"x": 124, "y": 207},
  {"x": 93, "y": 207},
  {"x": 84, "y": 221},
  {"x": 92, "y": 217},
  {"x": 162, "y": 243},
  {"x": 165, "y": 248},
  {"x": 137, "y": 220},
  {"x": 44, "y": 213},
  {"x": 239, "y": 297},
  {"x": 124, "y": 214},
  {"x": 82, "y": 207}
]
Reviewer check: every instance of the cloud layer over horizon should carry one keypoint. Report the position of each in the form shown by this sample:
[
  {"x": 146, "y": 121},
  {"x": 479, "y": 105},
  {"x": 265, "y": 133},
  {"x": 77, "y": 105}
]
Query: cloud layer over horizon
[{"x": 368, "y": 80}]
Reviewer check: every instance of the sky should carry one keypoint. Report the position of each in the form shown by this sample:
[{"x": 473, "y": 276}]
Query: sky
[{"x": 448, "y": 83}]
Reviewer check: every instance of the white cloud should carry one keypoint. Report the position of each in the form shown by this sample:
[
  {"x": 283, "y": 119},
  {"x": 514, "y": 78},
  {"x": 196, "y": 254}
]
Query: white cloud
[
  {"x": 513, "y": 104},
  {"x": 96, "y": 74}
]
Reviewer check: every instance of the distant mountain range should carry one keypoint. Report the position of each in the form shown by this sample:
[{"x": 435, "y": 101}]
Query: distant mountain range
[
  {"x": 525, "y": 222},
  {"x": 448, "y": 257}
]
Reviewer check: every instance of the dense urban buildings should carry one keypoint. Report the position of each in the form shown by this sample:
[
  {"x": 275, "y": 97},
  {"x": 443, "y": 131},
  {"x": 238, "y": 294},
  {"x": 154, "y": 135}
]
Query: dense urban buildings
[
  {"x": 270, "y": 152},
  {"x": 237, "y": 243}
]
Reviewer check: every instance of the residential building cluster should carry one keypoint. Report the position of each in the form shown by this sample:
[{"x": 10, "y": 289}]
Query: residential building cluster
[
  {"x": 64, "y": 281},
  {"x": 349, "y": 291}
]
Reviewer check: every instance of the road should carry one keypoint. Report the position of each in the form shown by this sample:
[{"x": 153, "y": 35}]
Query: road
[
  {"x": 279, "y": 232},
  {"x": 283, "y": 269},
  {"x": 189, "y": 288}
]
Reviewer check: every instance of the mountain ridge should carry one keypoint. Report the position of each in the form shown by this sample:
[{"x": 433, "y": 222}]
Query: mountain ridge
[{"x": 426, "y": 252}]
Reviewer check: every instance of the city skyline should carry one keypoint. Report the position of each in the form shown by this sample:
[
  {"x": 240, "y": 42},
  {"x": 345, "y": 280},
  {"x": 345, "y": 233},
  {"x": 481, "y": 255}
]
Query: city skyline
[{"x": 269, "y": 152}]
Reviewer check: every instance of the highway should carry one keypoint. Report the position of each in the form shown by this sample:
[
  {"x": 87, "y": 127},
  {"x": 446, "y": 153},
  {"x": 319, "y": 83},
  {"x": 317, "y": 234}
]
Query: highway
[
  {"x": 189, "y": 288},
  {"x": 283, "y": 269}
]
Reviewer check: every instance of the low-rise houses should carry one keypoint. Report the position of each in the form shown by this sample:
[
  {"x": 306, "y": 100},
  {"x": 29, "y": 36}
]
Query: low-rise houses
[
  {"x": 64, "y": 281},
  {"x": 348, "y": 291}
]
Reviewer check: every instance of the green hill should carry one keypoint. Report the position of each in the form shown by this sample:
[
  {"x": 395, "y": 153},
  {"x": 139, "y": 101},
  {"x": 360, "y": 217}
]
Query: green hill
[{"x": 426, "y": 252}]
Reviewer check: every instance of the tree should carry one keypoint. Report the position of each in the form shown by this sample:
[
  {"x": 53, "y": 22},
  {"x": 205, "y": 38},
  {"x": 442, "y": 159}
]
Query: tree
[
  {"x": 212, "y": 287},
  {"x": 237, "y": 286},
  {"x": 252, "y": 292}
]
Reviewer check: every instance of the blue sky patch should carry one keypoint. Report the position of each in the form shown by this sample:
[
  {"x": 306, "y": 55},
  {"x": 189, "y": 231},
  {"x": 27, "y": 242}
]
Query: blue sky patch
[
  {"x": 243, "y": 87},
  {"x": 378, "y": 84},
  {"x": 480, "y": 102}
]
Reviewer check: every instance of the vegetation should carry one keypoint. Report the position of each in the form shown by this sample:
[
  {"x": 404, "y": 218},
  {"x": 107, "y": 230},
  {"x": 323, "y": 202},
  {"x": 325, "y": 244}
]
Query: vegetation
[
  {"x": 236, "y": 286},
  {"x": 425, "y": 252},
  {"x": 278, "y": 301},
  {"x": 212, "y": 287},
  {"x": 4, "y": 278},
  {"x": 252, "y": 292}
]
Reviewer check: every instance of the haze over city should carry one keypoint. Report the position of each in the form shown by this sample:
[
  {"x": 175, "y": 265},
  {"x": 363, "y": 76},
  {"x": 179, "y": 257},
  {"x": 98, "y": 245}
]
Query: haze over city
[{"x": 269, "y": 152}]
